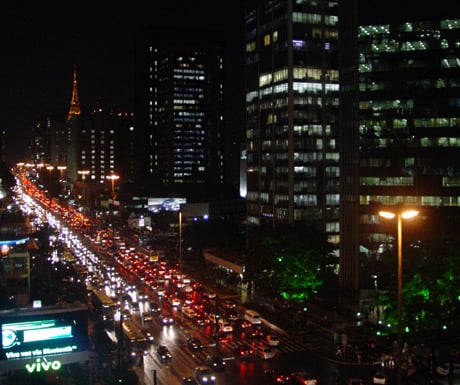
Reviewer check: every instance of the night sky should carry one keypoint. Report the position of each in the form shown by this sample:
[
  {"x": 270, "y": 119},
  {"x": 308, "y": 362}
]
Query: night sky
[{"x": 40, "y": 45}]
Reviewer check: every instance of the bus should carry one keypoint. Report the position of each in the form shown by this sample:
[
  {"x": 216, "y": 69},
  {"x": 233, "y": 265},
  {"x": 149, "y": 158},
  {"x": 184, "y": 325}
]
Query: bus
[
  {"x": 103, "y": 306},
  {"x": 134, "y": 341}
]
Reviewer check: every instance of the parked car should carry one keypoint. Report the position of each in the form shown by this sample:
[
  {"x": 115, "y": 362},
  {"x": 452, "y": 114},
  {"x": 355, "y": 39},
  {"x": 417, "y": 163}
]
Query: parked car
[
  {"x": 204, "y": 375},
  {"x": 444, "y": 369},
  {"x": 379, "y": 378},
  {"x": 163, "y": 353},
  {"x": 216, "y": 362},
  {"x": 303, "y": 377},
  {"x": 194, "y": 344}
]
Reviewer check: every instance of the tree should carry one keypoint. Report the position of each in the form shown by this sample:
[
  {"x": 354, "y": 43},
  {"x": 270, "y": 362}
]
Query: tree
[
  {"x": 431, "y": 282},
  {"x": 286, "y": 261}
]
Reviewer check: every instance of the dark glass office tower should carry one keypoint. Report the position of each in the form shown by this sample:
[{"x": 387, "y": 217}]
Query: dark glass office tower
[
  {"x": 292, "y": 89},
  {"x": 180, "y": 110},
  {"x": 400, "y": 120}
]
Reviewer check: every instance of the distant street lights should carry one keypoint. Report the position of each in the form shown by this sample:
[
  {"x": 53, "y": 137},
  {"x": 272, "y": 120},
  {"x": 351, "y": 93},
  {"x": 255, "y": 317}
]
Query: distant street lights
[
  {"x": 402, "y": 214},
  {"x": 61, "y": 171},
  {"x": 113, "y": 178},
  {"x": 50, "y": 169}
]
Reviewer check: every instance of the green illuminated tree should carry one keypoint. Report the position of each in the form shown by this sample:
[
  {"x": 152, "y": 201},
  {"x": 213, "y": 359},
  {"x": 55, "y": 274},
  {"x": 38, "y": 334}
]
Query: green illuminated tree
[
  {"x": 431, "y": 283},
  {"x": 287, "y": 260}
]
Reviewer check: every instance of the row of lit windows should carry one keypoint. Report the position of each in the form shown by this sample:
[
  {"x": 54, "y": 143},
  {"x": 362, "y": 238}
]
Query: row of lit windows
[
  {"x": 438, "y": 122},
  {"x": 409, "y": 200},
  {"x": 420, "y": 142},
  {"x": 188, "y": 71},
  {"x": 312, "y": 18},
  {"x": 298, "y": 73},
  {"x": 395, "y": 181},
  {"x": 299, "y": 87},
  {"x": 375, "y": 30},
  {"x": 190, "y": 77},
  {"x": 297, "y": 45},
  {"x": 282, "y": 102}
]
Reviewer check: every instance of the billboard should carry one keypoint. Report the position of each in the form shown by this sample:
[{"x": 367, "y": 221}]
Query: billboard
[
  {"x": 40, "y": 340},
  {"x": 157, "y": 205}
]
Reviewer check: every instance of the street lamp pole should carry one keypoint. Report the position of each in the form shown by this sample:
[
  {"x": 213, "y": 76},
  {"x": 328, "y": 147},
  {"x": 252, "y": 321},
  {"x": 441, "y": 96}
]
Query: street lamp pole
[
  {"x": 61, "y": 171},
  {"x": 113, "y": 178},
  {"x": 83, "y": 174},
  {"x": 399, "y": 216},
  {"x": 180, "y": 244}
]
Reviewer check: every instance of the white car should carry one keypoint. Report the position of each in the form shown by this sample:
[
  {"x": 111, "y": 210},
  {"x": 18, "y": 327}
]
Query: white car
[
  {"x": 225, "y": 326},
  {"x": 265, "y": 352},
  {"x": 444, "y": 369},
  {"x": 379, "y": 378}
]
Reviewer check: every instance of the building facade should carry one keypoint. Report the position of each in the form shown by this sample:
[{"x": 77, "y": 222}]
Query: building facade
[
  {"x": 292, "y": 86},
  {"x": 400, "y": 73},
  {"x": 179, "y": 110}
]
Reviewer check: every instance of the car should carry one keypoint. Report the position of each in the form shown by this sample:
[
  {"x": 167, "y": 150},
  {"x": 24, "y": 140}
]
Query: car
[
  {"x": 154, "y": 307},
  {"x": 175, "y": 301},
  {"x": 243, "y": 352},
  {"x": 188, "y": 381},
  {"x": 444, "y": 369},
  {"x": 194, "y": 344},
  {"x": 211, "y": 294},
  {"x": 147, "y": 317},
  {"x": 222, "y": 337},
  {"x": 265, "y": 352},
  {"x": 227, "y": 304},
  {"x": 225, "y": 326},
  {"x": 200, "y": 320},
  {"x": 231, "y": 314},
  {"x": 379, "y": 378},
  {"x": 254, "y": 334},
  {"x": 215, "y": 362},
  {"x": 148, "y": 335},
  {"x": 303, "y": 377},
  {"x": 165, "y": 319},
  {"x": 204, "y": 375},
  {"x": 276, "y": 377},
  {"x": 164, "y": 354},
  {"x": 272, "y": 340}
]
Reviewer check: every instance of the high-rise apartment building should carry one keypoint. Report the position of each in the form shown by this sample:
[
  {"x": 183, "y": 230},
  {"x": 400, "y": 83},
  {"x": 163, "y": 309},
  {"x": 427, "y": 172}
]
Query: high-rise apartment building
[
  {"x": 292, "y": 89},
  {"x": 179, "y": 110},
  {"x": 400, "y": 109}
]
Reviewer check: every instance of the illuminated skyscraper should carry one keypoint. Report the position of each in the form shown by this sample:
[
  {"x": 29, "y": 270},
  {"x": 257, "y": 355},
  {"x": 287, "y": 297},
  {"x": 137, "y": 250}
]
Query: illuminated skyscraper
[
  {"x": 400, "y": 109},
  {"x": 292, "y": 87},
  {"x": 179, "y": 110}
]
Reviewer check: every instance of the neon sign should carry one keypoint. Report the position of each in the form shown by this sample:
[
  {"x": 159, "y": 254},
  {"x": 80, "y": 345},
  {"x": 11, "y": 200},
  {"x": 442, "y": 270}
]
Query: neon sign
[{"x": 43, "y": 365}]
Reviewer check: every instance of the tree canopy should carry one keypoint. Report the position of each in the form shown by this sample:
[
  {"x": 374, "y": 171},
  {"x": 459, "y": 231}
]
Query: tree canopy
[{"x": 286, "y": 261}]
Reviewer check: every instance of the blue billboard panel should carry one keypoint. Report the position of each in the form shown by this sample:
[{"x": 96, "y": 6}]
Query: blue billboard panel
[{"x": 31, "y": 336}]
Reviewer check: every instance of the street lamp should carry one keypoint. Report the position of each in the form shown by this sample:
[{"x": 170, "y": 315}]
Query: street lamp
[
  {"x": 113, "y": 178},
  {"x": 83, "y": 174},
  {"x": 400, "y": 215},
  {"x": 180, "y": 244},
  {"x": 61, "y": 170}
]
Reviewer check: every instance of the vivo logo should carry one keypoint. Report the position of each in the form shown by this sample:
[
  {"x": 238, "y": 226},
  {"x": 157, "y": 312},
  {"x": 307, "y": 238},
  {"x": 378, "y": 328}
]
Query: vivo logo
[{"x": 43, "y": 366}]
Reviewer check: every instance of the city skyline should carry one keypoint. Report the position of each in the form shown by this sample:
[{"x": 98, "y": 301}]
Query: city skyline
[{"x": 44, "y": 43}]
